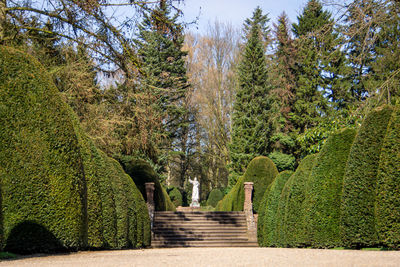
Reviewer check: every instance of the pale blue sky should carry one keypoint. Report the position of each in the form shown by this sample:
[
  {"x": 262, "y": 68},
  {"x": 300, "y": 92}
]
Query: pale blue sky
[{"x": 236, "y": 11}]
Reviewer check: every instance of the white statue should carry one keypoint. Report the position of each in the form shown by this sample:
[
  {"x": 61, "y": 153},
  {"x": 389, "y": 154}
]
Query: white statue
[{"x": 195, "y": 193}]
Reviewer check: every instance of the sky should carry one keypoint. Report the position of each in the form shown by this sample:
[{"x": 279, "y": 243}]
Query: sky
[{"x": 236, "y": 11}]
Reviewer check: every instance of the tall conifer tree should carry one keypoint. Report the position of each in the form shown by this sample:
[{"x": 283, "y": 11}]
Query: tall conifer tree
[
  {"x": 164, "y": 80},
  {"x": 320, "y": 67},
  {"x": 283, "y": 80},
  {"x": 251, "y": 123}
]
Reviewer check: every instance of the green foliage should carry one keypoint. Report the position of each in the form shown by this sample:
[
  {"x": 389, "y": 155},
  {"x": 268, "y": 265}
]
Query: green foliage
[
  {"x": 261, "y": 171},
  {"x": 313, "y": 139},
  {"x": 214, "y": 197},
  {"x": 175, "y": 195},
  {"x": 141, "y": 173},
  {"x": 359, "y": 182},
  {"x": 268, "y": 219},
  {"x": 282, "y": 161},
  {"x": 233, "y": 201},
  {"x": 324, "y": 190},
  {"x": 387, "y": 203},
  {"x": 42, "y": 178},
  {"x": 7, "y": 255},
  {"x": 251, "y": 123},
  {"x": 58, "y": 190},
  {"x": 293, "y": 229},
  {"x": 160, "y": 42},
  {"x": 319, "y": 67}
]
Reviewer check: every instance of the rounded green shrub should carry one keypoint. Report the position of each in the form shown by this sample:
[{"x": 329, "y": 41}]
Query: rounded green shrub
[
  {"x": 293, "y": 227},
  {"x": 387, "y": 203},
  {"x": 261, "y": 171},
  {"x": 214, "y": 196},
  {"x": 58, "y": 190},
  {"x": 359, "y": 181},
  {"x": 141, "y": 173},
  {"x": 268, "y": 221},
  {"x": 324, "y": 190},
  {"x": 175, "y": 196}
]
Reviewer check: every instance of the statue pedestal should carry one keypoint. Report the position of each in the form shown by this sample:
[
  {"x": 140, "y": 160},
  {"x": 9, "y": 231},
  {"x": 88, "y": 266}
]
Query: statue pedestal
[
  {"x": 195, "y": 204},
  {"x": 187, "y": 209}
]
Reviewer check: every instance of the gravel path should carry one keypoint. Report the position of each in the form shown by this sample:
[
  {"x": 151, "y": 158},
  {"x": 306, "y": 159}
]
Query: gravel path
[{"x": 216, "y": 257}]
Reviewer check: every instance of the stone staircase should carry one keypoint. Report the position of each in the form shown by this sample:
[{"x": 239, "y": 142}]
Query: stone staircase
[{"x": 201, "y": 229}]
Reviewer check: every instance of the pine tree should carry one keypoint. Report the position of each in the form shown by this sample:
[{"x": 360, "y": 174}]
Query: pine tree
[
  {"x": 320, "y": 66},
  {"x": 251, "y": 124},
  {"x": 164, "y": 83},
  {"x": 261, "y": 20},
  {"x": 361, "y": 46},
  {"x": 283, "y": 80},
  {"x": 387, "y": 64}
]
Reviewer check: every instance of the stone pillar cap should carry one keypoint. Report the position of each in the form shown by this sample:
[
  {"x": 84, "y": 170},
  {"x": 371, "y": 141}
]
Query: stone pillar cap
[
  {"x": 150, "y": 185},
  {"x": 248, "y": 183}
]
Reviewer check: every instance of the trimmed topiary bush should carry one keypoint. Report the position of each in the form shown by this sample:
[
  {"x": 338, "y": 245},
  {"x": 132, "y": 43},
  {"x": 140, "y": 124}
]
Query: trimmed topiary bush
[
  {"x": 293, "y": 227},
  {"x": 58, "y": 190},
  {"x": 42, "y": 178},
  {"x": 359, "y": 182},
  {"x": 261, "y": 171},
  {"x": 214, "y": 196},
  {"x": 324, "y": 190},
  {"x": 268, "y": 219},
  {"x": 387, "y": 203},
  {"x": 175, "y": 196},
  {"x": 232, "y": 200},
  {"x": 141, "y": 173}
]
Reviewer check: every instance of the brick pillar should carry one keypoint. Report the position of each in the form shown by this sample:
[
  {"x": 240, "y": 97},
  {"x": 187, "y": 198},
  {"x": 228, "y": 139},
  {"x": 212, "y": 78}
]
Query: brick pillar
[
  {"x": 150, "y": 201},
  {"x": 248, "y": 210}
]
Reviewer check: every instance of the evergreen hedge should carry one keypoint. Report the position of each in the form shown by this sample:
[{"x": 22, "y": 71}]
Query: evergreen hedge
[
  {"x": 268, "y": 221},
  {"x": 58, "y": 191},
  {"x": 324, "y": 190},
  {"x": 294, "y": 226},
  {"x": 214, "y": 196},
  {"x": 42, "y": 178},
  {"x": 141, "y": 173},
  {"x": 387, "y": 203},
  {"x": 261, "y": 171},
  {"x": 359, "y": 182},
  {"x": 175, "y": 196}
]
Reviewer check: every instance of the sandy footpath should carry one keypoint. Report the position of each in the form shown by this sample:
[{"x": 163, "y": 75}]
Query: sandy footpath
[{"x": 216, "y": 257}]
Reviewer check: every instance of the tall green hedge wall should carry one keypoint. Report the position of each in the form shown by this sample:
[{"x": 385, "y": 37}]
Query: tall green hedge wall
[
  {"x": 261, "y": 171},
  {"x": 58, "y": 191},
  {"x": 268, "y": 216},
  {"x": 293, "y": 230},
  {"x": 346, "y": 196},
  {"x": 359, "y": 182},
  {"x": 387, "y": 203},
  {"x": 141, "y": 173},
  {"x": 324, "y": 190}
]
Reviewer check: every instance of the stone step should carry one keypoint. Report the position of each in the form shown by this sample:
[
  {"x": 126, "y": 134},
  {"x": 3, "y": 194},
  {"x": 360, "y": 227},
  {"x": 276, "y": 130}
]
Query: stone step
[
  {"x": 201, "y": 236},
  {"x": 198, "y": 214},
  {"x": 231, "y": 238},
  {"x": 203, "y": 218},
  {"x": 171, "y": 244},
  {"x": 200, "y": 229},
  {"x": 233, "y": 230},
  {"x": 194, "y": 225},
  {"x": 210, "y": 213}
]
